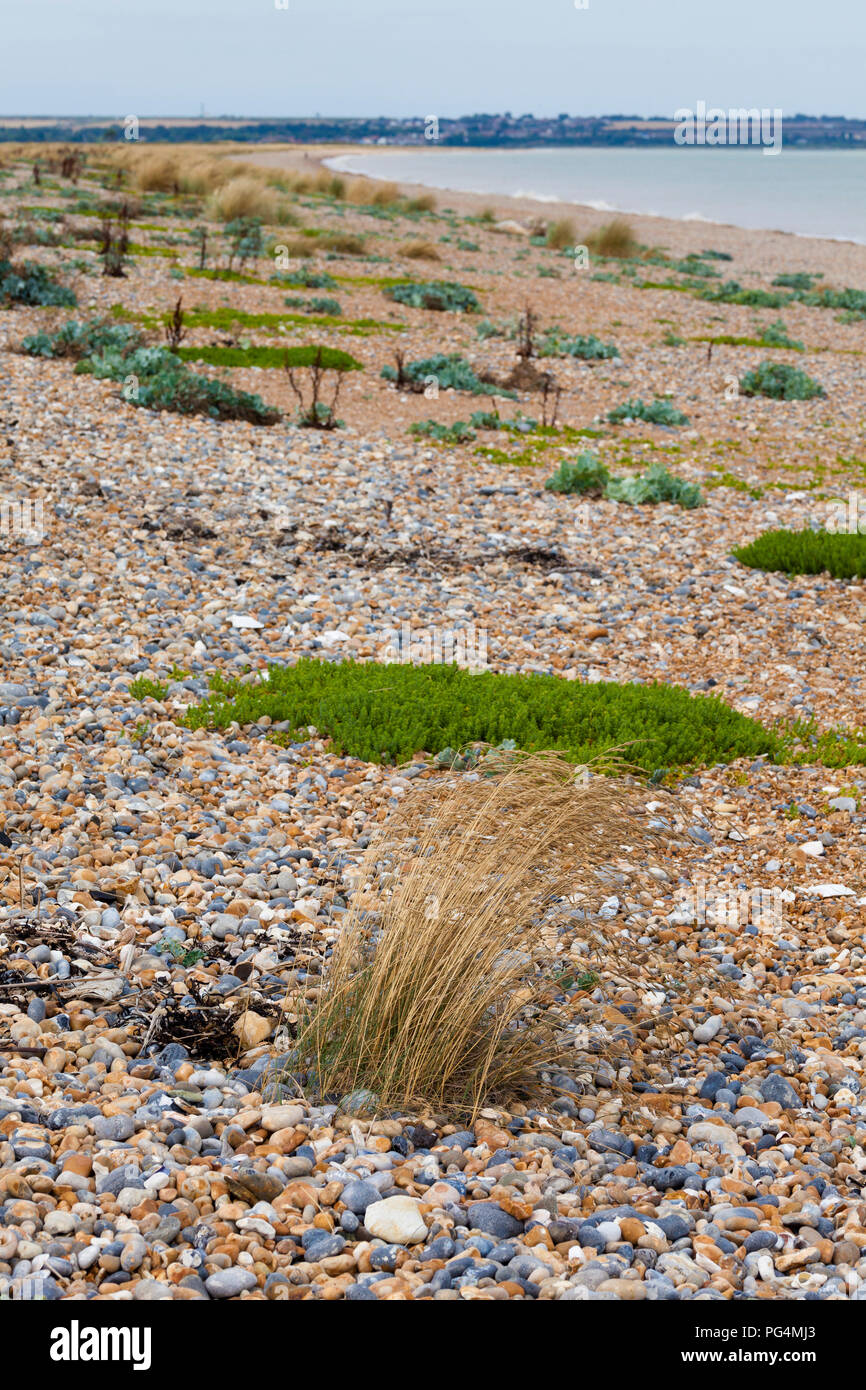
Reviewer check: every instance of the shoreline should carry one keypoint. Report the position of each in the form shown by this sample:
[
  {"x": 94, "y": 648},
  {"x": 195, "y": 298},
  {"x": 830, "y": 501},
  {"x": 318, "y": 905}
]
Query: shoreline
[{"x": 754, "y": 248}]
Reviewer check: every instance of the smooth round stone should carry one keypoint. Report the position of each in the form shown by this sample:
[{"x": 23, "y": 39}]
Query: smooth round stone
[{"x": 230, "y": 1283}]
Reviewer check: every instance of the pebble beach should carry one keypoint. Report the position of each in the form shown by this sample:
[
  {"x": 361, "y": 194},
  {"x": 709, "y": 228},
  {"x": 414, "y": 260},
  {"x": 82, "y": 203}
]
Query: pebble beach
[{"x": 169, "y": 896}]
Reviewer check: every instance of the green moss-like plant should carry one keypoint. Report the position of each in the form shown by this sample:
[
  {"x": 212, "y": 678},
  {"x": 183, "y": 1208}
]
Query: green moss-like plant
[
  {"x": 386, "y": 712},
  {"x": 807, "y": 552},
  {"x": 780, "y": 382}
]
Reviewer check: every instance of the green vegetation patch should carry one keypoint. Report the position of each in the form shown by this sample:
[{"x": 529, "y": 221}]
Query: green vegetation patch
[
  {"x": 387, "y": 712},
  {"x": 448, "y": 370},
  {"x": 587, "y": 476},
  {"x": 158, "y": 379},
  {"x": 442, "y": 295},
  {"x": 32, "y": 284},
  {"x": 807, "y": 552},
  {"x": 658, "y": 412},
  {"x": 78, "y": 340},
  {"x": 556, "y": 343},
  {"x": 780, "y": 382}
]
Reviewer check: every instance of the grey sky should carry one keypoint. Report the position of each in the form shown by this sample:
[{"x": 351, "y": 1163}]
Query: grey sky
[{"x": 402, "y": 57}]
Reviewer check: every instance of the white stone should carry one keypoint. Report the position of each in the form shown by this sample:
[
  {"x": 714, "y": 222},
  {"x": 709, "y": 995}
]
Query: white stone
[
  {"x": 397, "y": 1220},
  {"x": 719, "y": 1136},
  {"x": 276, "y": 1117}
]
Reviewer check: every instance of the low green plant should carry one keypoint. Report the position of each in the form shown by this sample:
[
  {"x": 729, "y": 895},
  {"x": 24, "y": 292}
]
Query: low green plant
[
  {"x": 799, "y": 280},
  {"x": 316, "y": 305},
  {"x": 158, "y": 380},
  {"x": 656, "y": 485},
  {"x": 585, "y": 475},
  {"x": 143, "y": 688},
  {"x": 450, "y": 371},
  {"x": 658, "y": 412},
  {"x": 32, "y": 284},
  {"x": 776, "y": 335},
  {"x": 732, "y": 292},
  {"x": 781, "y": 382},
  {"x": 441, "y": 295},
  {"x": 457, "y": 433},
  {"x": 841, "y": 554},
  {"x": 386, "y": 712},
  {"x": 556, "y": 343},
  {"x": 307, "y": 278},
  {"x": 78, "y": 340}
]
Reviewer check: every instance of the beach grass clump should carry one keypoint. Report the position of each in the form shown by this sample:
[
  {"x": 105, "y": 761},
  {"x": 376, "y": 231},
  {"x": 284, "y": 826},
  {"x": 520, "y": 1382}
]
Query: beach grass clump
[
  {"x": 780, "y": 382},
  {"x": 841, "y": 554},
  {"x": 157, "y": 379},
  {"x": 657, "y": 412},
  {"x": 388, "y": 711},
  {"x": 420, "y": 251},
  {"x": 434, "y": 997},
  {"x": 589, "y": 348},
  {"x": 341, "y": 243},
  {"x": 34, "y": 284},
  {"x": 244, "y": 196},
  {"x": 615, "y": 239},
  {"x": 445, "y": 371},
  {"x": 440, "y": 295},
  {"x": 561, "y": 235}
]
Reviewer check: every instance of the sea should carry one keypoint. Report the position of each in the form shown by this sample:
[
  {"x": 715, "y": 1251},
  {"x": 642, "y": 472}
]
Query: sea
[{"x": 817, "y": 193}]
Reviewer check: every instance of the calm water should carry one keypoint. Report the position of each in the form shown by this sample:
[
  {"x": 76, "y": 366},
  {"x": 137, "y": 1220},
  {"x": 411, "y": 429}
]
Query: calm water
[{"x": 812, "y": 192}]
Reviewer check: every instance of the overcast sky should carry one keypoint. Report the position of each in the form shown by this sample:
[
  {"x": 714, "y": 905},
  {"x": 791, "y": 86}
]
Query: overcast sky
[{"x": 426, "y": 57}]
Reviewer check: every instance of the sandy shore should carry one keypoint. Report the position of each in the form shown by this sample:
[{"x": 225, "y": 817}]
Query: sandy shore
[{"x": 761, "y": 250}]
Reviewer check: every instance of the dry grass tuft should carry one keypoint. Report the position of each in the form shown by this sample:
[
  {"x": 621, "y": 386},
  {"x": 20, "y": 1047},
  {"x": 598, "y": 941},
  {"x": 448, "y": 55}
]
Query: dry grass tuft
[
  {"x": 384, "y": 195},
  {"x": 561, "y": 235},
  {"x": 614, "y": 239},
  {"x": 432, "y": 1001},
  {"x": 157, "y": 172},
  {"x": 420, "y": 251},
  {"x": 345, "y": 243},
  {"x": 245, "y": 196}
]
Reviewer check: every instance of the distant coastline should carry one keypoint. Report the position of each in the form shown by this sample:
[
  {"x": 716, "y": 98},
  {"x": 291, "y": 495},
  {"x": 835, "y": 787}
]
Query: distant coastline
[{"x": 498, "y": 131}]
